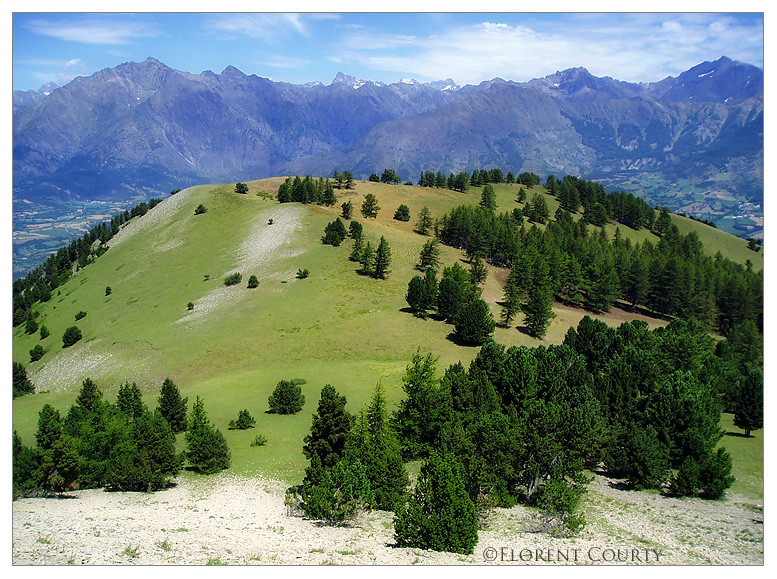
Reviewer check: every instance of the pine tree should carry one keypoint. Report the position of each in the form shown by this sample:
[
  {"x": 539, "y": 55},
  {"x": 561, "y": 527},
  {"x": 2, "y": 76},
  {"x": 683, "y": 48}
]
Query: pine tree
[
  {"x": 416, "y": 296},
  {"x": 130, "y": 400},
  {"x": 382, "y": 259},
  {"x": 21, "y": 384},
  {"x": 488, "y": 197},
  {"x": 374, "y": 443},
  {"x": 477, "y": 271},
  {"x": 749, "y": 414},
  {"x": 347, "y": 210},
  {"x": 172, "y": 407},
  {"x": 538, "y": 306},
  {"x": 367, "y": 259},
  {"x": 356, "y": 251},
  {"x": 425, "y": 223},
  {"x": 440, "y": 516},
  {"x": 206, "y": 447},
  {"x": 325, "y": 445},
  {"x": 49, "y": 427},
  {"x": 287, "y": 398},
  {"x": 474, "y": 322},
  {"x": 450, "y": 298},
  {"x": 429, "y": 256},
  {"x": 370, "y": 207},
  {"x": 146, "y": 459},
  {"x": 244, "y": 421},
  {"x": 402, "y": 213}
]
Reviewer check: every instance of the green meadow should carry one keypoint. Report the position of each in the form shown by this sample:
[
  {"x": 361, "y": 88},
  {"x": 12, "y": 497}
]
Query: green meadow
[{"x": 334, "y": 327}]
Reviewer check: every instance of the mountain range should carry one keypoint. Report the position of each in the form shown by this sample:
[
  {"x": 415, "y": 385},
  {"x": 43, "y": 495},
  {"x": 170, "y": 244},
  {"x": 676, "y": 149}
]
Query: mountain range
[{"x": 692, "y": 142}]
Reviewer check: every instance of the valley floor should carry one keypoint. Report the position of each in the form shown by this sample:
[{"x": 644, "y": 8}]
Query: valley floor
[{"x": 240, "y": 521}]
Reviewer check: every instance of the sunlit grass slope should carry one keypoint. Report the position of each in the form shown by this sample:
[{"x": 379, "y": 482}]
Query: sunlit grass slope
[{"x": 335, "y": 327}]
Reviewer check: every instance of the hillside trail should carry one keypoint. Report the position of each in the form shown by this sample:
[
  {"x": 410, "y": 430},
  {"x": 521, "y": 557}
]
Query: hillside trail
[{"x": 242, "y": 521}]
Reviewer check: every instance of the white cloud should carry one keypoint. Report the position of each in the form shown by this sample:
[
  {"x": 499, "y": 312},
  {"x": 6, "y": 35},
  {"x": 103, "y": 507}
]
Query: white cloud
[
  {"x": 92, "y": 31},
  {"x": 266, "y": 26},
  {"x": 629, "y": 47}
]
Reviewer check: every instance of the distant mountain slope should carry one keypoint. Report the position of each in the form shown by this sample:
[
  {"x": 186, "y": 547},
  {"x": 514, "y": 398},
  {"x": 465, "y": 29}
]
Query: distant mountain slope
[
  {"x": 146, "y": 125},
  {"x": 516, "y": 128}
]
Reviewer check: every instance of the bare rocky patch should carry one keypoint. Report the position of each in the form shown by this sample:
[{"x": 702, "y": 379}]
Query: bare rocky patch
[
  {"x": 241, "y": 521},
  {"x": 264, "y": 247}
]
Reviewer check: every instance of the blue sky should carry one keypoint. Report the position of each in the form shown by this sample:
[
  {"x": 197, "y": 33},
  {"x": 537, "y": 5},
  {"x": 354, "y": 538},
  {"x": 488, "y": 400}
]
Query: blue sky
[{"x": 303, "y": 47}]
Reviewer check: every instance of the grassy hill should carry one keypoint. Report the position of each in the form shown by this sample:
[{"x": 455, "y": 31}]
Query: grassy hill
[{"x": 335, "y": 327}]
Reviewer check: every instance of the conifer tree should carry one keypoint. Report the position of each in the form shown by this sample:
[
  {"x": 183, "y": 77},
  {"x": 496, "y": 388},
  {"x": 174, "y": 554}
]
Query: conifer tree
[
  {"x": 206, "y": 447},
  {"x": 440, "y": 516},
  {"x": 130, "y": 400},
  {"x": 477, "y": 271},
  {"x": 347, "y": 210},
  {"x": 49, "y": 427},
  {"x": 749, "y": 405},
  {"x": 374, "y": 443},
  {"x": 538, "y": 306},
  {"x": 325, "y": 445},
  {"x": 370, "y": 207},
  {"x": 21, "y": 384},
  {"x": 356, "y": 250},
  {"x": 146, "y": 459},
  {"x": 382, "y": 259},
  {"x": 488, "y": 197},
  {"x": 474, "y": 322},
  {"x": 425, "y": 223},
  {"x": 172, "y": 407},
  {"x": 450, "y": 298},
  {"x": 429, "y": 256},
  {"x": 367, "y": 259},
  {"x": 287, "y": 398}
]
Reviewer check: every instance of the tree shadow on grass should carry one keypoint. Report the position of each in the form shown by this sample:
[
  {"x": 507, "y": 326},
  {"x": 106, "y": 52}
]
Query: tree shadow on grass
[
  {"x": 453, "y": 337},
  {"x": 738, "y": 434}
]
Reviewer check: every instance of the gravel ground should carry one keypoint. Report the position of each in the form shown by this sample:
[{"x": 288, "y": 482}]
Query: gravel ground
[{"x": 240, "y": 521}]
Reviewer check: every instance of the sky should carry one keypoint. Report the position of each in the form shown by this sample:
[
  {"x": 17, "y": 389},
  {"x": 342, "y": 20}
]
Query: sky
[{"x": 305, "y": 46}]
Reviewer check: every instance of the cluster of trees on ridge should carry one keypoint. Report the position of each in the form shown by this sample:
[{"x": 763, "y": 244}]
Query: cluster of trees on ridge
[
  {"x": 522, "y": 425},
  {"x": 37, "y": 285},
  {"x": 569, "y": 262}
]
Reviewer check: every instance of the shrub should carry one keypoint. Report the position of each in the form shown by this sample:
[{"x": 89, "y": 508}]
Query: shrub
[
  {"x": 440, "y": 516},
  {"x": 259, "y": 440},
  {"x": 36, "y": 353},
  {"x": 80, "y": 315},
  {"x": 244, "y": 421},
  {"x": 31, "y": 326},
  {"x": 402, "y": 213},
  {"x": 190, "y": 306},
  {"x": 287, "y": 398},
  {"x": 303, "y": 273},
  {"x": 44, "y": 332},
  {"x": 71, "y": 336},
  {"x": 340, "y": 494},
  {"x": 200, "y": 209},
  {"x": 253, "y": 282},
  {"x": 233, "y": 279},
  {"x": 108, "y": 290},
  {"x": 241, "y": 188},
  {"x": 334, "y": 233}
]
